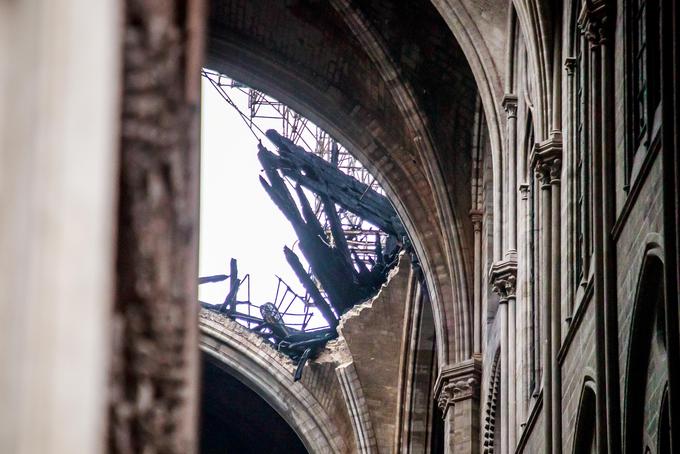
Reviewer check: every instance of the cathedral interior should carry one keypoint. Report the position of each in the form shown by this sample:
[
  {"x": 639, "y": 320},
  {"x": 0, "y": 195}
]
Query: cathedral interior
[{"x": 522, "y": 296}]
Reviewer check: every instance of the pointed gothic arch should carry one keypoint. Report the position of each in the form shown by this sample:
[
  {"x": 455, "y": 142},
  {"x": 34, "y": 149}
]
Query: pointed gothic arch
[
  {"x": 646, "y": 372},
  {"x": 265, "y": 371},
  {"x": 585, "y": 434}
]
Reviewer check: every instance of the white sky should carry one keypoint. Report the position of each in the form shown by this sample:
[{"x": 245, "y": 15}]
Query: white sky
[{"x": 237, "y": 217}]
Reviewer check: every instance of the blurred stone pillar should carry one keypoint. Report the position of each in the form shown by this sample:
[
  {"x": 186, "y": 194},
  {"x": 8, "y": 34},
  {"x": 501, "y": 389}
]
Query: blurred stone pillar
[{"x": 153, "y": 383}]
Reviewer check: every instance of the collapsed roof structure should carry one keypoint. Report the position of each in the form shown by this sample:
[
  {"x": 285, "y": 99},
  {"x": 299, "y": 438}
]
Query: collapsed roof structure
[{"x": 347, "y": 230}]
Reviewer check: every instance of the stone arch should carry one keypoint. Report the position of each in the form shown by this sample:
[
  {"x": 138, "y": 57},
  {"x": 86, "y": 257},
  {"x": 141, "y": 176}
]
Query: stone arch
[
  {"x": 482, "y": 57},
  {"x": 269, "y": 374},
  {"x": 585, "y": 432},
  {"x": 404, "y": 97},
  {"x": 485, "y": 59},
  {"x": 392, "y": 139},
  {"x": 538, "y": 30},
  {"x": 227, "y": 411},
  {"x": 571, "y": 21},
  {"x": 647, "y": 329}
]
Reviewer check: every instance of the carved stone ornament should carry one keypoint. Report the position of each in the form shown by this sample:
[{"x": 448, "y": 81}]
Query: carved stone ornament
[
  {"x": 593, "y": 21},
  {"x": 546, "y": 159},
  {"x": 510, "y": 105},
  {"x": 458, "y": 382},
  {"x": 476, "y": 218},
  {"x": 454, "y": 391},
  {"x": 503, "y": 278}
]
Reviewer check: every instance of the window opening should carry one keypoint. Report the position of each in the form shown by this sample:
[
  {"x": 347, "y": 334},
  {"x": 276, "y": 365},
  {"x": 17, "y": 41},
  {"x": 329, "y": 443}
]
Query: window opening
[{"x": 645, "y": 64}]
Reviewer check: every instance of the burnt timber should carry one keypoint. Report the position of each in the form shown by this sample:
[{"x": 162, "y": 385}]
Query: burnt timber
[{"x": 342, "y": 275}]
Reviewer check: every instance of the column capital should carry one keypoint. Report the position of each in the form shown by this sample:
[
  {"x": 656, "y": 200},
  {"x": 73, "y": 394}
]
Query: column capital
[
  {"x": 476, "y": 218},
  {"x": 503, "y": 278},
  {"x": 594, "y": 20},
  {"x": 510, "y": 105},
  {"x": 546, "y": 159},
  {"x": 458, "y": 382}
]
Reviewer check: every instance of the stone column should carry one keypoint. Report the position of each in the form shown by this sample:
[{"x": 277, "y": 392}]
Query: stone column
[
  {"x": 476, "y": 217},
  {"x": 570, "y": 160},
  {"x": 505, "y": 374},
  {"x": 523, "y": 308},
  {"x": 510, "y": 106},
  {"x": 497, "y": 207},
  {"x": 591, "y": 21},
  {"x": 546, "y": 160},
  {"x": 542, "y": 160},
  {"x": 503, "y": 278},
  {"x": 457, "y": 392},
  {"x": 551, "y": 153},
  {"x": 512, "y": 368},
  {"x": 613, "y": 415}
]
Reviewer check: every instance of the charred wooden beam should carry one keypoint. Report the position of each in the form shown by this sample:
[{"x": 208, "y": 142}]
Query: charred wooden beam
[
  {"x": 342, "y": 274},
  {"x": 336, "y": 230},
  {"x": 229, "y": 302},
  {"x": 327, "y": 262},
  {"x": 311, "y": 288},
  {"x": 325, "y": 179},
  {"x": 210, "y": 279},
  {"x": 301, "y": 364}
]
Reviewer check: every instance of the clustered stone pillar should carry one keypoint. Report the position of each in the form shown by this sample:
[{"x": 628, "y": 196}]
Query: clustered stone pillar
[
  {"x": 556, "y": 319},
  {"x": 546, "y": 161},
  {"x": 594, "y": 23},
  {"x": 503, "y": 277},
  {"x": 457, "y": 391},
  {"x": 510, "y": 106}
]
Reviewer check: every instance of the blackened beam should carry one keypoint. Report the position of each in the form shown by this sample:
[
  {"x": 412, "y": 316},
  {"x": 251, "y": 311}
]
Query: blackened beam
[
  {"x": 229, "y": 302},
  {"x": 210, "y": 279},
  {"x": 311, "y": 288},
  {"x": 327, "y": 262},
  {"x": 325, "y": 179}
]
